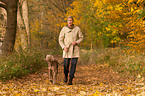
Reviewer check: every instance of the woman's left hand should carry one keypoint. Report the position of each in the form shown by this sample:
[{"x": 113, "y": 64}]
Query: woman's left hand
[{"x": 74, "y": 43}]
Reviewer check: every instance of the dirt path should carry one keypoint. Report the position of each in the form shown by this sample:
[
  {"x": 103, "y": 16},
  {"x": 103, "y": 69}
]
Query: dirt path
[{"x": 89, "y": 80}]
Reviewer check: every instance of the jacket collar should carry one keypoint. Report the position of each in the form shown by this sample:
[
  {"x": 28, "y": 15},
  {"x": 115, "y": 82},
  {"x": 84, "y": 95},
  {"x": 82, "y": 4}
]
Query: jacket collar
[{"x": 71, "y": 27}]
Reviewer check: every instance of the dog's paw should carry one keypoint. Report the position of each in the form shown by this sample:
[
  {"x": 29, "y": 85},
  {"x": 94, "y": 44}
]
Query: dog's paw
[
  {"x": 55, "y": 83},
  {"x": 51, "y": 81}
]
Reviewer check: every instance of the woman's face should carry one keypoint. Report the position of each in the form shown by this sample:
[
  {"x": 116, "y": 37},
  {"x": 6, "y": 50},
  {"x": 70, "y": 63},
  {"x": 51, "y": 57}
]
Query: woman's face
[{"x": 69, "y": 21}]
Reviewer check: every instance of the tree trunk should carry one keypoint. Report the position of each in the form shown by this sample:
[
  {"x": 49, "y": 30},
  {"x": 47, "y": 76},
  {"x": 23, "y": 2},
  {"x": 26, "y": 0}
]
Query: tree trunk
[
  {"x": 9, "y": 39},
  {"x": 26, "y": 19},
  {"x": 21, "y": 29}
]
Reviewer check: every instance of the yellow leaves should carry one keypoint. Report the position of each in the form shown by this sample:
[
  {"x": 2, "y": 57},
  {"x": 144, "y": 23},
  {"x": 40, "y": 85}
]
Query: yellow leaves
[
  {"x": 39, "y": 85},
  {"x": 55, "y": 88},
  {"x": 137, "y": 37},
  {"x": 98, "y": 3},
  {"x": 104, "y": 1},
  {"x": 110, "y": 7},
  {"x": 18, "y": 94},
  {"x": 138, "y": 1},
  {"x": 36, "y": 26},
  {"x": 97, "y": 93},
  {"x": 115, "y": 40},
  {"x": 83, "y": 93},
  {"x": 118, "y": 7},
  {"x": 132, "y": 9},
  {"x": 63, "y": 24},
  {"x": 43, "y": 89},
  {"x": 101, "y": 84},
  {"x": 75, "y": 3},
  {"x": 57, "y": 25},
  {"x": 113, "y": 1},
  {"x": 129, "y": 1},
  {"x": 36, "y": 90},
  {"x": 136, "y": 11},
  {"x": 99, "y": 33},
  {"x": 107, "y": 28}
]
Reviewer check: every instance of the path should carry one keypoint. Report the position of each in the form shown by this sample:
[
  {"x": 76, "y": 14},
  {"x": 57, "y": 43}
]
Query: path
[{"x": 90, "y": 80}]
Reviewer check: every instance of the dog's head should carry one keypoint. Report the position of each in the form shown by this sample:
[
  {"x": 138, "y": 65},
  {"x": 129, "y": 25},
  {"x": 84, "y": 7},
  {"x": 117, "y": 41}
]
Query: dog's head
[{"x": 49, "y": 58}]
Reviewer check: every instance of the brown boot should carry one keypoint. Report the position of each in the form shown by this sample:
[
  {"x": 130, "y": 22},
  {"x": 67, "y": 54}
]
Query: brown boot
[{"x": 70, "y": 81}]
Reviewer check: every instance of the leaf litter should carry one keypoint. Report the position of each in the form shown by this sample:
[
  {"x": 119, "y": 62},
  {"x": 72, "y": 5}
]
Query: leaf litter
[{"x": 90, "y": 80}]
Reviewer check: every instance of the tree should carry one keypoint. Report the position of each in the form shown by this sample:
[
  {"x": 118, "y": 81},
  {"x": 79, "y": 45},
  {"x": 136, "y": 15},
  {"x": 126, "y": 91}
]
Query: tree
[
  {"x": 23, "y": 33},
  {"x": 23, "y": 24},
  {"x": 46, "y": 18},
  {"x": 108, "y": 23},
  {"x": 9, "y": 39}
]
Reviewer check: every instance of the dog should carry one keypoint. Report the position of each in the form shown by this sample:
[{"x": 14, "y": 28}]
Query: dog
[{"x": 52, "y": 67}]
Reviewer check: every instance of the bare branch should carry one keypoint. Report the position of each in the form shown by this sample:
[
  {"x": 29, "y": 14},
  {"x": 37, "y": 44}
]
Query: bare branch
[{"x": 56, "y": 5}]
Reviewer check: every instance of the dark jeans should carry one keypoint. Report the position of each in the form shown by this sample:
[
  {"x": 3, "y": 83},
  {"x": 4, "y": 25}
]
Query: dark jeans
[{"x": 67, "y": 62}]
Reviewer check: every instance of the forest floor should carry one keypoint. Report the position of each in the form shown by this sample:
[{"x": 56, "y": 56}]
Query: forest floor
[{"x": 90, "y": 80}]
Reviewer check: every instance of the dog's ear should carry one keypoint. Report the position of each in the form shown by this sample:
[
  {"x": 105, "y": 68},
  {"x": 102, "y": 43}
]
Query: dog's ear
[
  {"x": 52, "y": 58},
  {"x": 46, "y": 59}
]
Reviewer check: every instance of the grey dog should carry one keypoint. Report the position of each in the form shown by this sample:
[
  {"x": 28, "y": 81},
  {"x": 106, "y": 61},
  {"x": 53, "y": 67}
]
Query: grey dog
[{"x": 53, "y": 68}]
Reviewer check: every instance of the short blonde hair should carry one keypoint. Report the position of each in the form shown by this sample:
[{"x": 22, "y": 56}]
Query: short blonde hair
[{"x": 70, "y": 17}]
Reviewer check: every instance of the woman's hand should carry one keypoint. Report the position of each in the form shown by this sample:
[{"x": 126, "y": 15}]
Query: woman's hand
[
  {"x": 74, "y": 43},
  {"x": 66, "y": 49}
]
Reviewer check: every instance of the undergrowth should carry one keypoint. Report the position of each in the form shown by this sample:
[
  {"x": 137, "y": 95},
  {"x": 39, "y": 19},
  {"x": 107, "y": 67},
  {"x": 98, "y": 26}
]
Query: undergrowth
[
  {"x": 21, "y": 63},
  {"x": 116, "y": 58}
]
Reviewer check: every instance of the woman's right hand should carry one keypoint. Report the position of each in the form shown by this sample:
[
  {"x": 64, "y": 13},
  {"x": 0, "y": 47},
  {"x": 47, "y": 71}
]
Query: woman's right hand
[{"x": 66, "y": 49}]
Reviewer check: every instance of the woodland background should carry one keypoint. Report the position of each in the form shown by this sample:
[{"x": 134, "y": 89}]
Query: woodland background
[
  {"x": 113, "y": 46},
  {"x": 104, "y": 23}
]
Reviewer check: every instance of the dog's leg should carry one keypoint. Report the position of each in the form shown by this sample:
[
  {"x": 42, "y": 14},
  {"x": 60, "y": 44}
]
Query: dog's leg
[
  {"x": 54, "y": 77},
  {"x": 50, "y": 75}
]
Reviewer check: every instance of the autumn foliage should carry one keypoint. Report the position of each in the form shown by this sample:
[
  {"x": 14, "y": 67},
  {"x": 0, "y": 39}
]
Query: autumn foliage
[
  {"x": 111, "y": 29},
  {"x": 110, "y": 23},
  {"x": 104, "y": 23}
]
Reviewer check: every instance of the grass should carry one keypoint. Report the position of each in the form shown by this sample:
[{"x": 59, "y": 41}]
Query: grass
[
  {"x": 23, "y": 63},
  {"x": 131, "y": 64}
]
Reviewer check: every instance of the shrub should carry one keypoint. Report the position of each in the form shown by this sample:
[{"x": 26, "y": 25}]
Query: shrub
[
  {"x": 21, "y": 63},
  {"x": 131, "y": 64}
]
